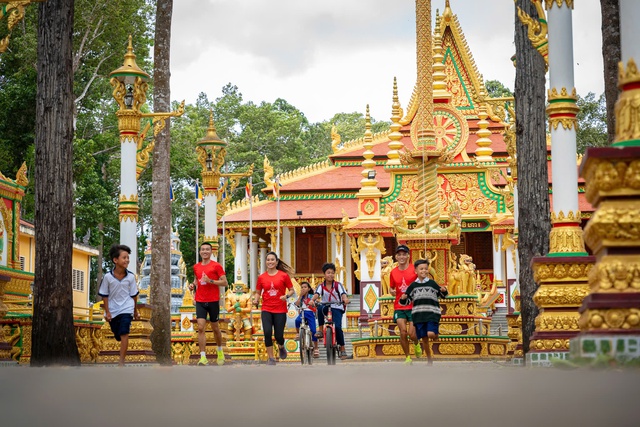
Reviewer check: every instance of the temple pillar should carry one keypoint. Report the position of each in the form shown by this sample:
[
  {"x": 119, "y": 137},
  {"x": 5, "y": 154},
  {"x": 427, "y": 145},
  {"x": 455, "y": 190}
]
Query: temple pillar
[
  {"x": 348, "y": 264},
  {"x": 244, "y": 252},
  {"x": 287, "y": 246},
  {"x": 498, "y": 260},
  {"x": 128, "y": 205},
  {"x": 562, "y": 273},
  {"x": 237, "y": 259},
  {"x": 610, "y": 314},
  {"x": 253, "y": 265},
  {"x": 262, "y": 245}
]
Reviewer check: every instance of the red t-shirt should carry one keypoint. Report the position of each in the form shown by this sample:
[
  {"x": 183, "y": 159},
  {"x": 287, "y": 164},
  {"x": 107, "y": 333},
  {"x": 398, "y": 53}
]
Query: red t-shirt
[
  {"x": 400, "y": 281},
  {"x": 272, "y": 288},
  {"x": 207, "y": 292}
]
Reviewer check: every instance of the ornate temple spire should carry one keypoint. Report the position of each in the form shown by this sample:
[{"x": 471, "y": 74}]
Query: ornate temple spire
[
  {"x": 395, "y": 136},
  {"x": 484, "y": 150},
  {"x": 422, "y": 133},
  {"x": 440, "y": 93},
  {"x": 368, "y": 182}
]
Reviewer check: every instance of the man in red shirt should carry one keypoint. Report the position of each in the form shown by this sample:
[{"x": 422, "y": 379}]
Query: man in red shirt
[
  {"x": 399, "y": 280},
  {"x": 209, "y": 278}
]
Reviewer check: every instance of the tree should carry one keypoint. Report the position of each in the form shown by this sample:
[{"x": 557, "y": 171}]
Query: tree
[
  {"x": 592, "y": 122},
  {"x": 160, "y": 281},
  {"x": 533, "y": 188},
  {"x": 611, "y": 56},
  {"x": 496, "y": 89},
  {"x": 53, "y": 335}
]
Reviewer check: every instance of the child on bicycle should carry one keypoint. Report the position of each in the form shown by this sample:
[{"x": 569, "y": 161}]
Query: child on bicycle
[
  {"x": 424, "y": 294},
  {"x": 309, "y": 311},
  {"x": 332, "y": 292}
]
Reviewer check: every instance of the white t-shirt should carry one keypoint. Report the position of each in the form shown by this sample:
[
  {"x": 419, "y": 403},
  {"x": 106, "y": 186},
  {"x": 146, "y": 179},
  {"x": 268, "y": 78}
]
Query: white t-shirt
[
  {"x": 332, "y": 294},
  {"x": 119, "y": 292}
]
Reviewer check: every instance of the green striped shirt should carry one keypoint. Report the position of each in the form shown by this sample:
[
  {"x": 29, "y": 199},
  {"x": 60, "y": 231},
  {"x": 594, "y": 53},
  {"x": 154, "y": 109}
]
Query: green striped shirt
[{"x": 426, "y": 307}]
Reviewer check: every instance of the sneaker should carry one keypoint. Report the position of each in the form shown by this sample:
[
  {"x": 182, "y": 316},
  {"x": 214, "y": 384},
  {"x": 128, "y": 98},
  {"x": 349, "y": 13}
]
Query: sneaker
[
  {"x": 271, "y": 362},
  {"x": 220, "y": 358},
  {"x": 343, "y": 355},
  {"x": 408, "y": 360},
  {"x": 282, "y": 353},
  {"x": 318, "y": 334},
  {"x": 203, "y": 361},
  {"x": 418, "y": 350}
]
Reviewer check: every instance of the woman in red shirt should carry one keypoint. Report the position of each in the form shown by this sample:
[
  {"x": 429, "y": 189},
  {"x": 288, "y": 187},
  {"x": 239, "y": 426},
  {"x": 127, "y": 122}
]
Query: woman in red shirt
[{"x": 274, "y": 285}]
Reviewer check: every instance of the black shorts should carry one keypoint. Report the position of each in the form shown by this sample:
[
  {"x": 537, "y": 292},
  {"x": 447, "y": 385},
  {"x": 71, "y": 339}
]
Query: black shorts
[
  {"x": 213, "y": 308},
  {"x": 121, "y": 325}
]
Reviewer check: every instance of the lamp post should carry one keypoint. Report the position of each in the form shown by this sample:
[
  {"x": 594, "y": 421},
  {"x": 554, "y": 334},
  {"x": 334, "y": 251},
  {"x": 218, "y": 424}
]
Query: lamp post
[{"x": 130, "y": 92}]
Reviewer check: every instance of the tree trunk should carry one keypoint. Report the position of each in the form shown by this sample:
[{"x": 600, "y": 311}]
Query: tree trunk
[
  {"x": 533, "y": 190},
  {"x": 611, "y": 56},
  {"x": 160, "y": 280},
  {"x": 53, "y": 336}
]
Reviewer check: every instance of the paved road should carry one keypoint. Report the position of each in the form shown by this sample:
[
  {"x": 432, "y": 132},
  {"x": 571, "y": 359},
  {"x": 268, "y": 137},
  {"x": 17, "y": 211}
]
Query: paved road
[{"x": 355, "y": 394}]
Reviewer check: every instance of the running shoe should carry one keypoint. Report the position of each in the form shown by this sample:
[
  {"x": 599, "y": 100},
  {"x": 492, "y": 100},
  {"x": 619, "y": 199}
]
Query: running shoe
[
  {"x": 282, "y": 353},
  {"x": 271, "y": 362},
  {"x": 343, "y": 355},
  {"x": 408, "y": 360},
  {"x": 319, "y": 334},
  {"x": 418, "y": 350},
  {"x": 203, "y": 361},
  {"x": 220, "y": 358}
]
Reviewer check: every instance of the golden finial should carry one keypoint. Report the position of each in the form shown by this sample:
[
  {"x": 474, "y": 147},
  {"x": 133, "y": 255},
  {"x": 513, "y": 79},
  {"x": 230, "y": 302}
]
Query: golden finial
[
  {"x": 484, "y": 150},
  {"x": 130, "y": 68},
  {"x": 395, "y": 136},
  {"x": 439, "y": 75},
  {"x": 447, "y": 14},
  {"x": 211, "y": 138},
  {"x": 368, "y": 182},
  {"x": 368, "y": 135},
  {"x": 335, "y": 139}
]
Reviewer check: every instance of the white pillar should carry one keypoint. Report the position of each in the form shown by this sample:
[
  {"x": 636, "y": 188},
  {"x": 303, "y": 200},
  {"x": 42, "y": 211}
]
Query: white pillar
[
  {"x": 629, "y": 31},
  {"x": 348, "y": 282},
  {"x": 263, "y": 255},
  {"x": 129, "y": 200},
  {"x": 285, "y": 256},
  {"x": 211, "y": 219},
  {"x": 253, "y": 267},
  {"x": 562, "y": 110},
  {"x": 237, "y": 259},
  {"x": 498, "y": 259},
  {"x": 244, "y": 252}
]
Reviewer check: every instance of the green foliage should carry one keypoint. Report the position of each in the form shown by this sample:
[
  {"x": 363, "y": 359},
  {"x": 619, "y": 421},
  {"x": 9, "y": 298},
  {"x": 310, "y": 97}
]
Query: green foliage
[
  {"x": 592, "y": 122},
  {"x": 495, "y": 89}
]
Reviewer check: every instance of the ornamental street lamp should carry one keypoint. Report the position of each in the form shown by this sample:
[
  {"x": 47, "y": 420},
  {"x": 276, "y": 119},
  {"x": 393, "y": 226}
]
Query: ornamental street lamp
[{"x": 130, "y": 92}]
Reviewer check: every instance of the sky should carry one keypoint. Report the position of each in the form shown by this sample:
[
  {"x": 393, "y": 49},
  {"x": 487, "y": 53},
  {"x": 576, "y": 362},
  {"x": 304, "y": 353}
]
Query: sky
[{"x": 331, "y": 56}]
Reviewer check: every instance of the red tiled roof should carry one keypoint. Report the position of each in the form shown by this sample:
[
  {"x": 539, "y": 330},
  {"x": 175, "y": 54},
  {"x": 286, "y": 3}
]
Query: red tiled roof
[
  {"x": 311, "y": 209},
  {"x": 339, "y": 179}
]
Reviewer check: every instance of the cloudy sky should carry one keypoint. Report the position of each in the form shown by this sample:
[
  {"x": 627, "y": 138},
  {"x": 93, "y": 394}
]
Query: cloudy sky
[{"x": 331, "y": 56}]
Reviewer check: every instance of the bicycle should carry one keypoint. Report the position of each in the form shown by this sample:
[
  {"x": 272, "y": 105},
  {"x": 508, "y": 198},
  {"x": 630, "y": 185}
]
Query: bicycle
[
  {"x": 304, "y": 337},
  {"x": 328, "y": 332}
]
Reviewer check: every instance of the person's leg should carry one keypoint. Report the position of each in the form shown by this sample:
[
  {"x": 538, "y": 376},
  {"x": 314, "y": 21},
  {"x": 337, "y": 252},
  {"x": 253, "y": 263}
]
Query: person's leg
[
  {"x": 427, "y": 350},
  {"x": 402, "y": 331},
  {"x": 320, "y": 323},
  {"x": 201, "y": 319},
  {"x": 214, "y": 314},
  {"x": 267, "y": 328},
  {"x": 124, "y": 344},
  {"x": 414, "y": 338},
  {"x": 279, "y": 322},
  {"x": 337, "y": 321}
]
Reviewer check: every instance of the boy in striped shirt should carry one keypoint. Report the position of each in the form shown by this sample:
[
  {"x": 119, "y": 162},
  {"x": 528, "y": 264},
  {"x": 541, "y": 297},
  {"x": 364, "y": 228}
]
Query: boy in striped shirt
[{"x": 424, "y": 294}]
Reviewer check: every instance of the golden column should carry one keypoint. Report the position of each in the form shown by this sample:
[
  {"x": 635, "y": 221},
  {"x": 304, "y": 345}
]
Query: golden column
[{"x": 610, "y": 315}]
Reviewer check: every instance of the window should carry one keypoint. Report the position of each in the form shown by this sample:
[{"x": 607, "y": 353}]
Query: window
[
  {"x": 78, "y": 280},
  {"x": 22, "y": 263}
]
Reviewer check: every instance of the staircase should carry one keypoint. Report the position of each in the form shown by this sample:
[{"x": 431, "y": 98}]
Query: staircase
[{"x": 499, "y": 325}]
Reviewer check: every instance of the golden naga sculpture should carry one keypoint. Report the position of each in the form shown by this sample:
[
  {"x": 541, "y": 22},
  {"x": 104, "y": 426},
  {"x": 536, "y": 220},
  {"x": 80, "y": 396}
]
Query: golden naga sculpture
[
  {"x": 268, "y": 173},
  {"x": 462, "y": 275},
  {"x": 537, "y": 30},
  {"x": 371, "y": 245},
  {"x": 386, "y": 264},
  {"x": 335, "y": 139},
  {"x": 238, "y": 304},
  {"x": 355, "y": 255}
]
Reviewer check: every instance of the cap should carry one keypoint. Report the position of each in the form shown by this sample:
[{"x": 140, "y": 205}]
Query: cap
[{"x": 404, "y": 248}]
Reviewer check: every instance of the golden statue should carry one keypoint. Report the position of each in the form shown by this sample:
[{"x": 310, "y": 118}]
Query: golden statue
[
  {"x": 370, "y": 244},
  {"x": 335, "y": 139},
  {"x": 462, "y": 278},
  {"x": 238, "y": 304},
  {"x": 268, "y": 173},
  {"x": 432, "y": 256},
  {"x": 386, "y": 264}
]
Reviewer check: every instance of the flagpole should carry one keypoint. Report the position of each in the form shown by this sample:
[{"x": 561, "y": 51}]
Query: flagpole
[
  {"x": 197, "y": 220},
  {"x": 250, "y": 229},
  {"x": 277, "y": 183}
]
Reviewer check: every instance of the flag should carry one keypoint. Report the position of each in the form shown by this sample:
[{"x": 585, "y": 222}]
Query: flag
[
  {"x": 248, "y": 189},
  {"x": 276, "y": 188},
  {"x": 170, "y": 192},
  {"x": 198, "y": 194}
]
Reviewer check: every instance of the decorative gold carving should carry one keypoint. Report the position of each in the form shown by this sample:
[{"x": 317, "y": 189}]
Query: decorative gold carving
[
  {"x": 613, "y": 318},
  {"x": 616, "y": 275},
  {"x": 392, "y": 350},
  {"x": 14, "y": 11},
  {"x": 451, "y": 349},
  {"x": 611, "y": 176},
  {"x": 627, "y": 108},
  {"x": 450, "y": 329},
  {"x": 484, "y": 150},
  {"x": 562, "y": 109},
  {"x": 549, "y": 345},
  {"x": 371, "y": 245},
  {"x": 537, "y": 30},
  {"x": 355, "y": 256},
  {"x": 547, "y": 321},
  {"x": 395, "y": 136},
  {"x": 544, "y": 272},
  {"x": 549, "y": 3},
  {"x": 362, "y": 350},
  {"x": 566, "y": 240},
  {"x": 615, "y": 223},
  {"x": 335, "y": 139},
  {"x": 563, "y": 295}
]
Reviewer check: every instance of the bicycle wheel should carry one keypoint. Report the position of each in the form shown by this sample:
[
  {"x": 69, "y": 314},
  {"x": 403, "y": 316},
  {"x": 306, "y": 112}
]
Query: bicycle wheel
[
  {"x": 302, "y": 345},
  {"x": 309, "y": 341},
  {"x": 328, "y": 343}
]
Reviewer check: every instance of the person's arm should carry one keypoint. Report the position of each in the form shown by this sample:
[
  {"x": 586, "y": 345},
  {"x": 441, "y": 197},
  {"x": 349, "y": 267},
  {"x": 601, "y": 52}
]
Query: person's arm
[
  {"x": 136, "y": 313},
  {"x": 443, "y": 292},
  {"x": 134, "y": 292},
  {"x": 392, "y": 285},
  {"x": 289, "y": 291},
  {"x": 107, "y": 313},
  {"x": 345, "y": 297}
]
